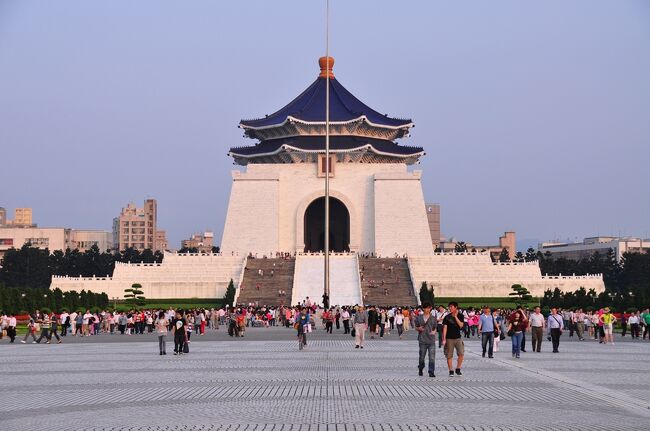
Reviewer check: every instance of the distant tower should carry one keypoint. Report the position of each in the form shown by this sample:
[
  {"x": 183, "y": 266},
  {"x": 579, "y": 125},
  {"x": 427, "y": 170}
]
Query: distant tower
[{"x": 3, "y": 216}]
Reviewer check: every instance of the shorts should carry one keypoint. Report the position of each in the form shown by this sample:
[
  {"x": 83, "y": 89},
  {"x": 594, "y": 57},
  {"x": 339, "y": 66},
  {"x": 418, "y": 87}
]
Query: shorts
[
  {"x": 451, "y": 344},
  {"x": 608, "y": 328}
]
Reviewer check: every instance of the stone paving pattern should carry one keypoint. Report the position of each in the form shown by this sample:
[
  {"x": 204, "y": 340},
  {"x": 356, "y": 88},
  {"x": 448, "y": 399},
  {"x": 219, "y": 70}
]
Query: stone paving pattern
[{"x": 242, "y": 384}]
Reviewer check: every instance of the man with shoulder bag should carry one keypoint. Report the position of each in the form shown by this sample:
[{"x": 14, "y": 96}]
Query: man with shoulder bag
[
  {"x": 488, "y": 329},
  {"x": 555, "y": 326}
]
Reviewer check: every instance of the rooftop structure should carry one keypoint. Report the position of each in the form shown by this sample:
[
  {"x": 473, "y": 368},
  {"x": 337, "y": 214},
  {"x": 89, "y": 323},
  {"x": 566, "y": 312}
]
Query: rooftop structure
[
  {"x": 358, "y": 133},
  {"x": 591, "y": 245}
]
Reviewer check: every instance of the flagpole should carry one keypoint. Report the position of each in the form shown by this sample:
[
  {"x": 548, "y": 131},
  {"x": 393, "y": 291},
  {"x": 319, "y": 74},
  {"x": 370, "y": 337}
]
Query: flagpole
[{"x": 326, "y": 287}]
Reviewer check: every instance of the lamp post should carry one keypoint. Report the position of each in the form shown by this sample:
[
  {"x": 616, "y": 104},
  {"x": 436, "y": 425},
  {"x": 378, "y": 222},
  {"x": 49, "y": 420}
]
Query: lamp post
[{"x": 326, "y": 278}]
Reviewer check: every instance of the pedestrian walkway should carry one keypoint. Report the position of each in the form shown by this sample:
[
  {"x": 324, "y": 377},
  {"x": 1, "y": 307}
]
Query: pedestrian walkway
[{"x": 228, "y": 385}]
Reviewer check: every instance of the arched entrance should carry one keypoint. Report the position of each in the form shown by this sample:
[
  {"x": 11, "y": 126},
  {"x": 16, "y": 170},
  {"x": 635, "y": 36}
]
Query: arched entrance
[{"x": 315, "y": 226}]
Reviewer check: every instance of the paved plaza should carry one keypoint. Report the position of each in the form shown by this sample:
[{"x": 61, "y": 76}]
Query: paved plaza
[{"x": 262, "y": 382}]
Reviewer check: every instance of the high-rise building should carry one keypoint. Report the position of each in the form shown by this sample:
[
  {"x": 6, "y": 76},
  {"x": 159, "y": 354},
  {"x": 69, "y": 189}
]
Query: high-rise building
[
  {"x": 161, "y": 240},
  {"x": 3, "y": 216},
  {"x": 433, "y": 217},
  {"x": 136, "y": 227},
  {"x": 22, "y": 217}
]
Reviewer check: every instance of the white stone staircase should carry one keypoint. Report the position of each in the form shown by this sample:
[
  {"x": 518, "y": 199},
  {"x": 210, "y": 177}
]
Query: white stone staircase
[{"x": 345, "y": 286}]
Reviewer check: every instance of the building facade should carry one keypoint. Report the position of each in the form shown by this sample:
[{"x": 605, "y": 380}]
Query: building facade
[
  {"x": 203, "y": 242},
  {"x": 433, "y": 218},
  {"x": 83, "y": 240},
  {"x": 51, "y": 238},
  {"x": 137, "y": 227},
  {"x": 22, "y": 218},
  {"x": 591, "y": 245},
  {"x": 277, "y": 210}
]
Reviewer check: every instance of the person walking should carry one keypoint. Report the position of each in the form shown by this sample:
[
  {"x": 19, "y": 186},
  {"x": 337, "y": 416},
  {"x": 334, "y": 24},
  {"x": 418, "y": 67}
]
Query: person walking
[
  {"x": 180, "y": 333},
  {"x": 360, "y": 326},
  {"x": 54, "y": 329},
  {"x": 608, "y": 320},
  {"x": 161, "y": 330},
  {"x": 580, "y": 323},
  {"x": 516, "y": 328},
  {"x": 633, "y": 320},
  {"x": 302, "y": 326},
  {"x": 31, "y": 331},
  {"x": 45, "y": 328},
  {"x": 11, "y": 328},
  {"x": 372, "y": 320},
  {"x": 328, "y": 317},
  {"x": 345, "y": 316},
  {"x": 426, "y": 326},
  {"x": 488, "y": 329},
  {"x": 555, "y": 325},
  {"x": 399, "y": 322},
  {"x": 452, "y": 324},
  {"x": 537, "y": 323},
  {"x": 440, "y": 315}
]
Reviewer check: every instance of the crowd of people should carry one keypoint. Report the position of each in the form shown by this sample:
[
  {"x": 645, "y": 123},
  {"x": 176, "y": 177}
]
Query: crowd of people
[{"x": 444, "y": 326}]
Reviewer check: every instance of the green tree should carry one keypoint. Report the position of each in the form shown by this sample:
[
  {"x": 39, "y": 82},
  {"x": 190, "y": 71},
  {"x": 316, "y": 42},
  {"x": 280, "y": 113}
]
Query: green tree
[
  {"x": 531, "y": 255},
  {"x": 426, "y": 294},
  {"x": 504, "y": 256},
  {"x": 460, "y": 247},
  {"x": 229, "y": 296},
  {"x": 134, "y": 296},
  {"x": 520, "y": 294}
]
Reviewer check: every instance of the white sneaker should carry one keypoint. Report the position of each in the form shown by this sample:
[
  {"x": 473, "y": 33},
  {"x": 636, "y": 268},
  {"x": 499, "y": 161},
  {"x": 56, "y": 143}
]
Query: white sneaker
[{"x": 23, "y": 341}]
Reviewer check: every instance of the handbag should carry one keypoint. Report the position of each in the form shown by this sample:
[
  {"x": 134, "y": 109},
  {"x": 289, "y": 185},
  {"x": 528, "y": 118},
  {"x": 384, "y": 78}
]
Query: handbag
[
  {"x": 353, "y": 332},
  {"x": 511, "y": 332},
  {"x": 186, "y": 347}
]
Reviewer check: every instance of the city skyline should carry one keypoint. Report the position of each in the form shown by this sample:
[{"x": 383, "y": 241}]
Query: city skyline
[{"x": 505, "y": 150}]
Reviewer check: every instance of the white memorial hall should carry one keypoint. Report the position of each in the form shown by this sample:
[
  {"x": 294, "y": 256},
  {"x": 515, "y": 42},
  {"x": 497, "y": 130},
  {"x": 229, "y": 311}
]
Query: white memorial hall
[{"x": 379, "y": 234}]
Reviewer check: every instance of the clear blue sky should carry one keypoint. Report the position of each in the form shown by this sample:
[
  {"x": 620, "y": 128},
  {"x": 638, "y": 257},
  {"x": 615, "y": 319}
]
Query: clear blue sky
[{"x": 535, "y": 115}]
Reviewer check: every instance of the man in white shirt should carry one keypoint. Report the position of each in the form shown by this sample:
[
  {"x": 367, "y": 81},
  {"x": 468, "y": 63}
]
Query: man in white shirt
[
  {"x": 440, "y": 315},
  {"x": 11, "y": 327},
  {"x": 73, "y": 323},
  {"x": 537, "y": 323},
  {"x": 62, "y": 319},
  {"x": 345, "y": 316},
  {"x": 634, "y": 320},
  {"x": 86, "y": 321}
]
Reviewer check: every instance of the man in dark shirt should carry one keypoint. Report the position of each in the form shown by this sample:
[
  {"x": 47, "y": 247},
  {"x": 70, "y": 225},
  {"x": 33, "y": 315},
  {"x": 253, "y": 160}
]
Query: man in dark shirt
[
  {"x": 179, "y": 325},
  {"x": 372, "y": 321},
  {"x": 426, "y": 325},
  {"x": 452, "y": 324}
]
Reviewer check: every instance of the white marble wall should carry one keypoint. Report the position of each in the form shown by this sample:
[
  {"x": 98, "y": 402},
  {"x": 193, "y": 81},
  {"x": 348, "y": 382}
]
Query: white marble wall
[
  {"x": 268, "y": 203},
  {"x": 178, "y": 276},
  {"x": 474, "y": 275}
]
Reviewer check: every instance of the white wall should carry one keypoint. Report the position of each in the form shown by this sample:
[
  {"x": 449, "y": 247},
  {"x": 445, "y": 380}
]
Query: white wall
[
  {"x": 401, "y": 224},
  {"x": 178, "y": 276},
  {"x": 268, "y": 202},
  {"x": 252, "y": 218},
  {"x": 474, "y": 275}
]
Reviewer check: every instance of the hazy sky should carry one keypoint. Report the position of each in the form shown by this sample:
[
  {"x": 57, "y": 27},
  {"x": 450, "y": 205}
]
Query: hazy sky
[{"x": 535, "y": 115}]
